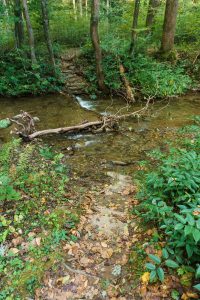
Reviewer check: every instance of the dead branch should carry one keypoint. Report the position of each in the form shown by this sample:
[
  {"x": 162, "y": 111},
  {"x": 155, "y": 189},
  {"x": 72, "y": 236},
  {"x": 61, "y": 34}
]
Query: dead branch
[
  {"x": 26, "y": 124},
  {"x": 129, "y": 92},
  {"x": 80, "y": 272},
  {"x": 196, "y": 57}
]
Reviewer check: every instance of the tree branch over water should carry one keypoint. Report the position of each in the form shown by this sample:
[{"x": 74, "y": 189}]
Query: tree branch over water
[{"x": 25, "y": 124}]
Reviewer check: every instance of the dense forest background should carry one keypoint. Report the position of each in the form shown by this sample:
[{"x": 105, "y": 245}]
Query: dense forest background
[{"x": 137, "y": 39}]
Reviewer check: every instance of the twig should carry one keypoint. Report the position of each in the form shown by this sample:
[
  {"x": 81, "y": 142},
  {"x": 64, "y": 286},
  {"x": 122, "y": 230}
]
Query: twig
[
  {"x": 80, "y": 272},
  {"x": 196, "y": 57}
]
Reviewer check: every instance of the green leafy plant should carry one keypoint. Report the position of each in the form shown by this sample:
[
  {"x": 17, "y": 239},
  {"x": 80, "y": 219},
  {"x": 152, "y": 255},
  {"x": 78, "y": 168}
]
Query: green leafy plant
[
  {"x": 156, "y": 268},
  {"x": 170, "y": 197},
  {"x": 33, "y": 184}
]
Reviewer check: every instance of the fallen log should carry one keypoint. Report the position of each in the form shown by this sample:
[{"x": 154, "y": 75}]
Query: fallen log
[
  {"x": 62, "y": 130},
  {"x": 26, "y": 124},
  {"x": 128, "y": 90}
]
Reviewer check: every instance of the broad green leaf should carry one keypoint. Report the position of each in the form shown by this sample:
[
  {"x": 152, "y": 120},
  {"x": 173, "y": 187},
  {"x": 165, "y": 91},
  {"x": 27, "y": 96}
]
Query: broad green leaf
[
  {"x": 189, "y": 250},
  {"x": 197, "y": 286},
  {"x": 4, "y": 123},
  {"x": 196, "y": 234},
  {"x": 198, "y": 272},
  {"x": 165, "y": 254},
  {"x": 178, "y": 226},
  {"x": 160, "y": 274},
  {"x": 180, "y": 218},
  {"x": 198, "y": 224},
  {"x": 190, "y": 219},
  {"x": 155, "y": 258},
  {"x": 171, "y": 264},
  {"x": 150, "y": 266},
  {"x": 153, "y": 275},
  {"x": 188, "y": 229}
]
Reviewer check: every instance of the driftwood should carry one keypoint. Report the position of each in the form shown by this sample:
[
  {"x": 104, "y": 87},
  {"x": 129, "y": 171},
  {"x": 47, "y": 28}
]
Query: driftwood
[{"x": 26, "y": 124}]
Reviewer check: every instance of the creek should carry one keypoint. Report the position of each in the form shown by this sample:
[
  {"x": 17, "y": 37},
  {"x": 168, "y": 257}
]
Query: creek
[{"x": 103, "y": 152}]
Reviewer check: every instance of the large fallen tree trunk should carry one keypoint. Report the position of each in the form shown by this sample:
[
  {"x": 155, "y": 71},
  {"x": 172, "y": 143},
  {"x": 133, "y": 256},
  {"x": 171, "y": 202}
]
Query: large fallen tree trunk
[{"x": 26, "y": 124}]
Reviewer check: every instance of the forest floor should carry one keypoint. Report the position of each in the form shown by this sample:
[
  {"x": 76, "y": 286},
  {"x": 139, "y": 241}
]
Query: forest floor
[
  {"x": 96, "y": 265},
  {"x": 103, "y": 262}
]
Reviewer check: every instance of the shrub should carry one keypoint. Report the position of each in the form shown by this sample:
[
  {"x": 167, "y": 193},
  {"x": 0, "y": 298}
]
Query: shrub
[
  {"x": 170, "y": 197},
  {"x": 157, "y": 79},
  {"x": 33, "y": 182},
  {"x": 17, "y": 77}
]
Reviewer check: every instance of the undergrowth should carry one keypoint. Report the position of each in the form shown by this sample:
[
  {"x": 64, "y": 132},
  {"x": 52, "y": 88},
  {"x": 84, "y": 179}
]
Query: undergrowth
[
  {"x": 146, "y": 74},
  {"x": 18, "y": 77},
  {"x": 170, "y": 200},
  {"x": 35, "y": 218}
]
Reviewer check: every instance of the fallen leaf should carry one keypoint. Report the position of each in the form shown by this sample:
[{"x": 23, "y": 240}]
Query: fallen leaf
[
  {"x": 104, "y": 245},
  {"x": 14, "y": 251},
  {"x": 106, "y": 253},
  {"x": 18, "y": 241},
  {"x": 85, "y": 261},
  {"x": 145, "y": 278},
  {"x": 38, "y": 241},
  {"x": 63, "y": 280}
]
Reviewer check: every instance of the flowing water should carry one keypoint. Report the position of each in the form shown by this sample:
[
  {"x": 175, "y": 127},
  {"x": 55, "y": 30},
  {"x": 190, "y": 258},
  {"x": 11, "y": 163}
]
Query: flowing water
[{"x": 89, "y": 153}]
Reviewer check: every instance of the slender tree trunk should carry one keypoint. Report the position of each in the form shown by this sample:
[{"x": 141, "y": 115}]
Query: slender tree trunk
[
  {"x": 19, "y": 26},
  {"x": 169, "y": 26},
  {"x": 81, "y": 8},
  {"x": 134, "y": 26},
  {"x": 30, "y": 32},
  {"x": 74, "y": 9},
  {"x": 5, "y": 5},
  {"x": 96, "y": 43},
  {"x": 86, "y": 7},
  {"x": 45, "y": 19},
  {"x": 153, "y": 5},
  {"x": 107, "y": 6}
]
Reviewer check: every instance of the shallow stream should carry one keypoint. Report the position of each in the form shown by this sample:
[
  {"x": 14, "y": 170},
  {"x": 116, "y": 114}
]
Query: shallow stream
[{"x": 96, "y": 154}]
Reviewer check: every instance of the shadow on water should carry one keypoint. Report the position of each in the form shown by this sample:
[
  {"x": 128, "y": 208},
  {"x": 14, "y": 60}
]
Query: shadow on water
[{"x": 93, "y": 154}]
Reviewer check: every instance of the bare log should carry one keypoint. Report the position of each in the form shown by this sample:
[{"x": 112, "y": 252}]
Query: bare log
[{"x": 129, "y": 91}]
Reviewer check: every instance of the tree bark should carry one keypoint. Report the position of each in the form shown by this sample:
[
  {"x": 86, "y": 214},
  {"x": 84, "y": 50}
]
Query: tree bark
[
  {"x": 134, "y": 26},
  {"x": 86, "y": 8},
  {"x": 152, "y": 9},
  {"x": 129, "y": 91},
  {"x": 45, "y": 19},
  {"x": 169, "y": 26},
  {"x": 94, "y": 24},
  {"x": 30, "y": 32},
  {"x": 81, "y": 8},
  {"x": 74, "y": 9},
  {"x": 19, "y": 26}
]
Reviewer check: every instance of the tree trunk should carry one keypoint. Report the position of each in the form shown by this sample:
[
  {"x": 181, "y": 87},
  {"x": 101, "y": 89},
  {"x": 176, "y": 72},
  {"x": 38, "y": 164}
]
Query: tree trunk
[
  {"x": 96, "y": 43},
  {"x": 74, "y": 9},
  {"x": 153, "y": 5},
  {"x": 169, "y": 26},
  {"x": 30, "y": 32},
  {"x": 134, "y": 26},
  {"x": 19, "y": 26},
  {"x": 81, "y": 8},
  {"x": 86, "y": 8},
  {"x": 45, "y": 20}
]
